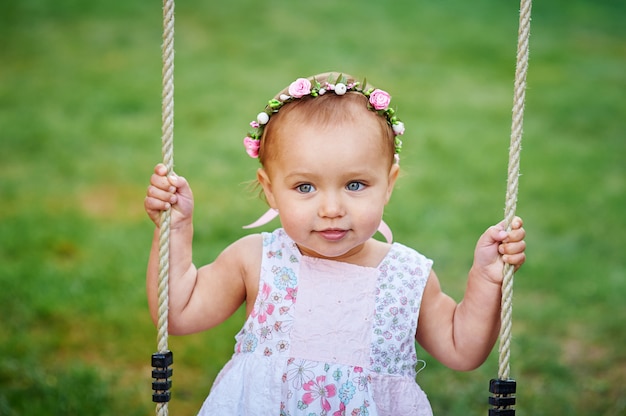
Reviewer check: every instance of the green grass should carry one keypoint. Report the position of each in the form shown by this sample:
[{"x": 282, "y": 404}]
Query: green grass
[{"x": 80, "y": 133}]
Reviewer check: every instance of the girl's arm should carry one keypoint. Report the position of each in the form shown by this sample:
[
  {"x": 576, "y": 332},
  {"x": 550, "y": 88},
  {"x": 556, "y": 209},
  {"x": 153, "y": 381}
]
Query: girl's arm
[
  {"x": 462, "y": 336},
  {"x": 198, "y": 298}
]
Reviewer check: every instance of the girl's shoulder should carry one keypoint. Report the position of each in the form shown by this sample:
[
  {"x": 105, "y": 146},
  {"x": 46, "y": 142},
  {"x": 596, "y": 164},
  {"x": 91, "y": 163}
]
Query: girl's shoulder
[
  {"x": 246, "y": 242},
  {"x": 243, "y": 256},
  {"x": 246, "y": 251}
]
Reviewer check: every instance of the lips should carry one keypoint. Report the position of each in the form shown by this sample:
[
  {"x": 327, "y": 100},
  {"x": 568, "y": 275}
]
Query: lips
[{"x": 333, "y": 234}]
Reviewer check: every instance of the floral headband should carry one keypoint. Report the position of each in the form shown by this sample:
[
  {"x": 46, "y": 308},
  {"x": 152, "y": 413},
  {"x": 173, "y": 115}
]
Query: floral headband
[{"x": 378, "y": 101}]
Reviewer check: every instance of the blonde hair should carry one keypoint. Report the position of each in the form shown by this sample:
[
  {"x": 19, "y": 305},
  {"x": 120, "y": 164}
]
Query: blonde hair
[{"x": 323, "y": 111}]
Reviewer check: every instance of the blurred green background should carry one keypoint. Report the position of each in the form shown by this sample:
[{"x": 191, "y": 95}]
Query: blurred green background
[{"x": 80, "y": 87}]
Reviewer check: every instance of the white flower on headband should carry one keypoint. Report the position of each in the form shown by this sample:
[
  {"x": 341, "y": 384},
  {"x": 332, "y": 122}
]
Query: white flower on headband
[
  {"x": 398, "y": 128},
  {"x": 340, "y": 88},
  {"x": 263, "y": 118}
]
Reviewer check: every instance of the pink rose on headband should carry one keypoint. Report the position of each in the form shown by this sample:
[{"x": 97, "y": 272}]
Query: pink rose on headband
[
  {"x": 380, "y": 99},
  {"x": 252, "y": 146},
  {"x": 300, "y": 88}
]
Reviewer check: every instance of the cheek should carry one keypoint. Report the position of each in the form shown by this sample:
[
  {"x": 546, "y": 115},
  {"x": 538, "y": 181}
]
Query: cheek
[
  {"x": 293, "y": 216},
  {"x": 367, "y": 215},
  {"x": 295, "y": 227}
]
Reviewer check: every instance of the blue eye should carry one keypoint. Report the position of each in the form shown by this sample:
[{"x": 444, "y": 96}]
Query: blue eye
[
  {"x": 355, "y": 186},
  {"x": 305, "y": 188}
]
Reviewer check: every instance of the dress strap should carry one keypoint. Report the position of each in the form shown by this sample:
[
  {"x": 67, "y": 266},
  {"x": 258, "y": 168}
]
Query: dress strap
[{"x": 272, "y": 213}]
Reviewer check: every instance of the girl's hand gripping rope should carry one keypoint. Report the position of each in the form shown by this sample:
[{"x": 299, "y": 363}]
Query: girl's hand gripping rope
[
  {"x": 497, "y": 246},
  {"x": 169, "y": 191}
]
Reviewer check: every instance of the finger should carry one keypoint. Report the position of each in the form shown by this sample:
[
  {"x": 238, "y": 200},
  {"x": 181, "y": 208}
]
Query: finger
[
  {"x": 515, "y": 235},
  {"x": 160, "y": 169},
  {"x": 181, "y": 185},
  {"x": 161, "y": 195},
  {"x": 176, "y": 180},
  {"x": 154, "y": 206},
  {"x": 512, "y": 248},
  {"x": 515, "y": 259},
  {"x": 162, "y": 182},
  {"x": 516, "y": 223},
  {"x": 497, "y": 232}
]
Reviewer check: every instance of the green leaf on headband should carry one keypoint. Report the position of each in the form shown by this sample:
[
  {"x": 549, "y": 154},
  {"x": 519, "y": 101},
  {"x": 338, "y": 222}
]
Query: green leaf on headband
[{"x": 274, "y": 103}]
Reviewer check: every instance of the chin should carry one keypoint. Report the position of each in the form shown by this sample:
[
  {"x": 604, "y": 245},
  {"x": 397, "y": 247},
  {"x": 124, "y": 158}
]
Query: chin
[{"x": 329, "y": 252}]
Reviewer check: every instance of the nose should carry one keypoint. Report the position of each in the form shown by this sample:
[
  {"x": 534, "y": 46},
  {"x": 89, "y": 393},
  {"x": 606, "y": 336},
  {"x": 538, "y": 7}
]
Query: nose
[{"x": 331, "y": 205}]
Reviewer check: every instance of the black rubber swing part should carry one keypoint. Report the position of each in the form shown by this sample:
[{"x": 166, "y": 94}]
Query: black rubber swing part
[
  {"x": 161, "y": 374},
  {"x": 503, "y": 397}
]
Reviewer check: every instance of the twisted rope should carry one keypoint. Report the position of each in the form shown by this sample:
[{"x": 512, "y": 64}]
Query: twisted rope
[
  {"x": 512, "y": 183},
  {"x": 167, "y": 139}
]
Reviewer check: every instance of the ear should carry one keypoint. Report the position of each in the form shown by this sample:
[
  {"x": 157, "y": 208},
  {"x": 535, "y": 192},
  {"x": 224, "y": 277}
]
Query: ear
[
  {"x": 266, "y": 183},
  {"x": 391, "y": 180}
]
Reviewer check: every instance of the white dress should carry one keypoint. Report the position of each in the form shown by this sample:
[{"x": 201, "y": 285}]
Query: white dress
[{"x": 327, "y": 338}]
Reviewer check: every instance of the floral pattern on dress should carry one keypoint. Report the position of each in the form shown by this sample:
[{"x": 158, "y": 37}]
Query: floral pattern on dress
[
  {"x": 325, "y": 389},
  {"x": 264, "y": 306},
  {"x": 397, "y": 310},
  {"x": 271, "y": 319}
]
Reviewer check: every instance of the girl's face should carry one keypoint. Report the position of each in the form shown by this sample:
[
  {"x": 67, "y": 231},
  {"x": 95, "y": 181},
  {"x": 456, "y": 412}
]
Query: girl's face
[{"x": 330, "y": 185}]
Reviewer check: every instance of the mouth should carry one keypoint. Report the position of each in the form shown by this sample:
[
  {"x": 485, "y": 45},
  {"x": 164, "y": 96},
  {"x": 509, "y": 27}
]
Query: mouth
[{"x": 333, "y": 234}]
